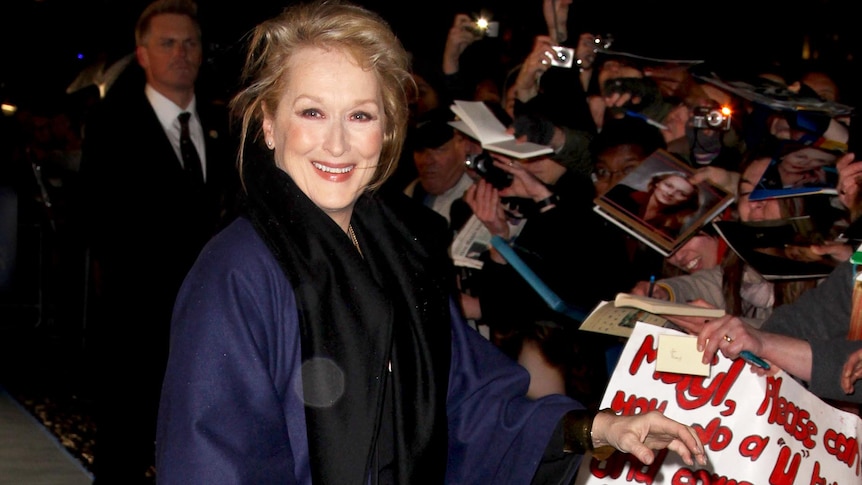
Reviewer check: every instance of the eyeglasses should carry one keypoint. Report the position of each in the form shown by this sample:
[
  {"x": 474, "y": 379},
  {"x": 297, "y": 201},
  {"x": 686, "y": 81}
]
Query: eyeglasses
[{"x": 605, "y": 174}]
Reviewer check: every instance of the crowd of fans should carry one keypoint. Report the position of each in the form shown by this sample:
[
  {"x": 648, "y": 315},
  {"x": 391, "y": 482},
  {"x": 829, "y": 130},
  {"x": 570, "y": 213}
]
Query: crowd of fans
[{"x": 603, "y": 115}]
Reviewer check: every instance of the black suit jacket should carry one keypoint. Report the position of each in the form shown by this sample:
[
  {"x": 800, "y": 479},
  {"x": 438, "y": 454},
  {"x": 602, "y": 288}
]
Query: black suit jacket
[{"x": 145, "y": 223}]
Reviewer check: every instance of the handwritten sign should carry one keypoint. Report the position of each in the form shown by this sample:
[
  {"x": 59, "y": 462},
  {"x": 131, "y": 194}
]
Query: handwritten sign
[{"x": 756, "y": 429}]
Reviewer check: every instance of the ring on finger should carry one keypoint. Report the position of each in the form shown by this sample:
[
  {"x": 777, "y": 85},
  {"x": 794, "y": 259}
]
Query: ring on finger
[{"x": 728, "y": 339}]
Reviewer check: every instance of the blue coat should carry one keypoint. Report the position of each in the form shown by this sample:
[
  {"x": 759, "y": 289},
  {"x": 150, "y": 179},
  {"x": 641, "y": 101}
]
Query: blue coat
[{"x": 231, "y": 409}]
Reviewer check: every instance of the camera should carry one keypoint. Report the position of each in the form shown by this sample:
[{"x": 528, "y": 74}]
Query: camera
[
  {"x": 483, "y": 164},
  {"x": 483, "y": 28},
  {"x": 711, "y": 118},
  {"x": 563, "y": 56}
]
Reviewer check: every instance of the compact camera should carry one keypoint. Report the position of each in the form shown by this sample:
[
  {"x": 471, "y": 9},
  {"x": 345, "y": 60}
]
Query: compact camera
[
  {"x": 563, "y": 56},
  {"x": 711, "y": 118},
  {"x": 483, "y": 164},
  {"x": 483, "y": 28}
]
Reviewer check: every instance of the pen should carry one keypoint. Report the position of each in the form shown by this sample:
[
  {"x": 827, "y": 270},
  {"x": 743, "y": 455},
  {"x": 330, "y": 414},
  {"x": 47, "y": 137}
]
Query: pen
[
  {"x": 649, "y": 120},
  {"x": 753, "y": 359},
  {"x": 651, "y": 285}
]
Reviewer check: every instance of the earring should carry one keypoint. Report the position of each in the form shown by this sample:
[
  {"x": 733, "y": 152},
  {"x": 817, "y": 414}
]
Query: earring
[{"x": 269, "y": 144}]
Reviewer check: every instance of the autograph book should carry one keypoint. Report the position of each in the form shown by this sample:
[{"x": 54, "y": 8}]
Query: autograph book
[
  {"x": 619, "y": 321},
  {"x": 658, "y": 306},
  {"x": 477, "y": 121},
  {"x": 776, "y": 95},
  {"x": 657, "y": 205},
  {"x": 777, "y": 249}
]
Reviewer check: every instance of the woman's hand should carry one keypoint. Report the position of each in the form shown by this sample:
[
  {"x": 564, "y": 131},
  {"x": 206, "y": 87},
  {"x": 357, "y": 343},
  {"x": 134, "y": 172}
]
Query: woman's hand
[
  {"x": 642, "y": 288},
  {"x": 642, "y": 433},
  {"x": 457, "y": 41},
  {"x": 833, "y": 249},
  {"x": 535, "y": 64},
  {"x": 729, "y": 334}
]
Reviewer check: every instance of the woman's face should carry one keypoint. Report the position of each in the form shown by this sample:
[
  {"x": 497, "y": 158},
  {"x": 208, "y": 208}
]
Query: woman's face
[
  {"x": 761, "y": 210},
  {"x": 699, "y": 252},
  {"x": 673, "y": 190},
  {"x": 804, "y": 160},
  {"x": 327, "y": 130}
]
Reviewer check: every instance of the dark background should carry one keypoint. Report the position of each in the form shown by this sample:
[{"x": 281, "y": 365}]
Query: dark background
[{"x": 44, "y": 44}]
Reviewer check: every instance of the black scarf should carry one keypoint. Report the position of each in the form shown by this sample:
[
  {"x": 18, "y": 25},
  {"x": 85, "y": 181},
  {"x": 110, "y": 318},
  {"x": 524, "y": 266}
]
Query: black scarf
[{"x": 356, "y": 315}]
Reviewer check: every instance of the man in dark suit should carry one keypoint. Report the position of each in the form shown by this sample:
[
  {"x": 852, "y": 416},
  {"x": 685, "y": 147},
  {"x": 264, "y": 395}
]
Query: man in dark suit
[{"x": 149, "y": 209}]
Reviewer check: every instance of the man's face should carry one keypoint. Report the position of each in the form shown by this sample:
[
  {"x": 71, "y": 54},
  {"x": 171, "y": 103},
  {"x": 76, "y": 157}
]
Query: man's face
[
  {"x": 440, "y": 168},
  {"x": 615, "y": 163},
  {"x": 171, "y": 54}
]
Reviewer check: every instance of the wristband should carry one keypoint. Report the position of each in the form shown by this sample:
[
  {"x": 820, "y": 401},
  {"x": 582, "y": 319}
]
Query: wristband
[
  {"x": 578, "y": 437},
  {"x": 548, "y": 201}
]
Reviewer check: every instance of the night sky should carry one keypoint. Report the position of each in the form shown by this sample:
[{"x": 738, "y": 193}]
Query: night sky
[{"x": 45, "y": 43}]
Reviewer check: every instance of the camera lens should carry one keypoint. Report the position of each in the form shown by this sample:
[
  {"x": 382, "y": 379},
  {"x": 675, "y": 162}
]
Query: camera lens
[
  {"x": 714, "y": 118},
  {"x": 483, "y": 165}
]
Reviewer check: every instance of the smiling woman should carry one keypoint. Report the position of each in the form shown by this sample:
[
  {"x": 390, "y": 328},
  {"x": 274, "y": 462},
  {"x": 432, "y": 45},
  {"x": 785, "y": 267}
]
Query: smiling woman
[{"x": 335, "y": 302}]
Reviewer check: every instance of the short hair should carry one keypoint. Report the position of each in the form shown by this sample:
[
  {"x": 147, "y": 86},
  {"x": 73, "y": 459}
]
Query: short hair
[
  {"x": 161, "y": 7},
  {"x": 329, "y": 24}
]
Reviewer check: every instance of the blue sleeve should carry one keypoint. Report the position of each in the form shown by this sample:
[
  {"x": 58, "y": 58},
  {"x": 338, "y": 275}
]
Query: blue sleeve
[
  {"x": 228, "y": 413},
  {"x": 496, "y": 433}
]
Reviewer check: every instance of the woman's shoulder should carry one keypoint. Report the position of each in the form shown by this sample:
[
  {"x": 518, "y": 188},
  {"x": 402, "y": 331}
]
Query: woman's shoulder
[{"x": 237, "y": 249}]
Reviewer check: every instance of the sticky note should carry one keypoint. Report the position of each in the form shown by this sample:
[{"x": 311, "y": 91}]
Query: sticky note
[{"x": 679, "y": 354}]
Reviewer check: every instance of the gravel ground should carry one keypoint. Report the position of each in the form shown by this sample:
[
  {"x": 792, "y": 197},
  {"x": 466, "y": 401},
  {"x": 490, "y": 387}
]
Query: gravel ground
[{"x": 45, "y": 372}]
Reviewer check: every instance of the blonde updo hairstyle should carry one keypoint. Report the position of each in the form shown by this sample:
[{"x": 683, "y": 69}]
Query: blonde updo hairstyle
[{"x": 327, "y": 24}]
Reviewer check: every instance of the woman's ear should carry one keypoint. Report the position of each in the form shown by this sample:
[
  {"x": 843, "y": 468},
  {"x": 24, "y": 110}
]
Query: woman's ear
[{"x": 268, "y": 137}]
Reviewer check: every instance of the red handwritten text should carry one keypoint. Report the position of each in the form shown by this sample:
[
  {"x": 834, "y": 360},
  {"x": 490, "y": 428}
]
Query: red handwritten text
[
  {"x": 795, "y": 420},
  {"x": 844, "y": 448}
]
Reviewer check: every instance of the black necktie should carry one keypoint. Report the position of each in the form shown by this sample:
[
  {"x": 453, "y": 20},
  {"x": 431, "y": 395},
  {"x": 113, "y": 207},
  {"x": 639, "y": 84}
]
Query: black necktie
[{"x": 191, "y": 160}]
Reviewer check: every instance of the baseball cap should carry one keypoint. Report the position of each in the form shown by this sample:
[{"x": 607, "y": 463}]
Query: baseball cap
[{"x": 431, "y": 130}]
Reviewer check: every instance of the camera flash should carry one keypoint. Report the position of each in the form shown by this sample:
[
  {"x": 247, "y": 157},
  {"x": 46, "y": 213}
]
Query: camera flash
[
  {"x": 726, "y": 111},
  {"x": 482, "y": 23}
]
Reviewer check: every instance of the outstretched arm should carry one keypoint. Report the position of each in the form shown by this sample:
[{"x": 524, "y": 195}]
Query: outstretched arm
[{"x": 639, "y": 434}]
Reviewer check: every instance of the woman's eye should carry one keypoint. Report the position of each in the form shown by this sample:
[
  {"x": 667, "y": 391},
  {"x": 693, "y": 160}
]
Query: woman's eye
[
  {"x": 362, "y": 116},
  {"x": 311, "y": 113}
]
